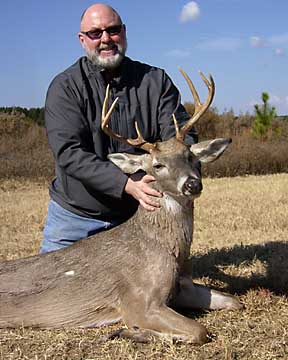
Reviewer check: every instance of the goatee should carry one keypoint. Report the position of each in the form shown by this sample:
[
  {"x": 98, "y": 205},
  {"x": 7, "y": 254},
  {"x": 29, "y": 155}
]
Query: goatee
[{"x": 110, "y": 62}]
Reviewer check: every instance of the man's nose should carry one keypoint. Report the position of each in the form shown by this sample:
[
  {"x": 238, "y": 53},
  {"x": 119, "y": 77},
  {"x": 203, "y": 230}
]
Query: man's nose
[{"x": 105, "y": 36}]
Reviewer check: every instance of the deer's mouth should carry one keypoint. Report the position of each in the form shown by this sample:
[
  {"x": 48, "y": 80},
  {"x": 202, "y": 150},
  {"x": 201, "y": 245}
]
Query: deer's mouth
[{"x": 192, "y": 187}]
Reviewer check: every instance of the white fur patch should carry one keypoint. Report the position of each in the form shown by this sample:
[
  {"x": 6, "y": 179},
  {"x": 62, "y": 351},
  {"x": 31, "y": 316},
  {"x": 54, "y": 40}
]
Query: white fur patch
[
  {"x": 181, "y": 182},
  {"x": 172, "y": 205},
  {"x": 70, "y": 273},
  {"x": 175, "y": 208}
]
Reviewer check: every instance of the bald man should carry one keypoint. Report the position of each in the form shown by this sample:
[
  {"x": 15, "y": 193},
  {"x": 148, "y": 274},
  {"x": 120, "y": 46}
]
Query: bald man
[{"x": 89, "y": 193}]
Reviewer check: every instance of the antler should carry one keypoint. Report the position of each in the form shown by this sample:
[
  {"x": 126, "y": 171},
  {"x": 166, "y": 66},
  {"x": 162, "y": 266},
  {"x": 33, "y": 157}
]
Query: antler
[
  {"x": 106, "y": 115},
  {"x": 199, "y": 108}
]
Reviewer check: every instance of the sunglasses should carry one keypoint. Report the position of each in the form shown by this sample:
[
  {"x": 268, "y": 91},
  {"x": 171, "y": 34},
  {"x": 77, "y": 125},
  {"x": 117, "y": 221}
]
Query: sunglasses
[{"x": 96, "y": 34}]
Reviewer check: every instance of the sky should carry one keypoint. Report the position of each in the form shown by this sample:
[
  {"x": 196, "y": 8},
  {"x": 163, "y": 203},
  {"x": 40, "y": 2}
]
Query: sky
[{"x": 242, "y": 43}]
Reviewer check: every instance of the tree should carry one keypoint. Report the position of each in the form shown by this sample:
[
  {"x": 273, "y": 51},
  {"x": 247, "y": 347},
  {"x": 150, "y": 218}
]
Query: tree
[{"x": 264, "y": 114}]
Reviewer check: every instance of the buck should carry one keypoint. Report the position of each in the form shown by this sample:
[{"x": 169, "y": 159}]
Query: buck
[{"x": 134, "y": 272}]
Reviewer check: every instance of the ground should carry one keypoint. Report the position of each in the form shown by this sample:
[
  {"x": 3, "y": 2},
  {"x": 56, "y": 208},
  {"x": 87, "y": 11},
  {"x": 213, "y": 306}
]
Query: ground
[{"x": 240, "y": 246}]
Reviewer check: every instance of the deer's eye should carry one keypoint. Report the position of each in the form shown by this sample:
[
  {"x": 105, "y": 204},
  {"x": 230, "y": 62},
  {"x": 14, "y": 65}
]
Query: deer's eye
[{"x": 158, "y": 166}]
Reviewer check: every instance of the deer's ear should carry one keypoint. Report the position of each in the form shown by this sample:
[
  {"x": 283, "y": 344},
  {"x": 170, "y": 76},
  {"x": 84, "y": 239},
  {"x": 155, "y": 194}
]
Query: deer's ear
[
  {"x": 208, "y": 151},
  {"x": 129, "y": 163}
]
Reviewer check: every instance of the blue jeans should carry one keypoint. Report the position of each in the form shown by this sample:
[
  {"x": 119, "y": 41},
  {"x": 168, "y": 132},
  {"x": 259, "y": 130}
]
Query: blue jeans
[{"x": 63, "y": 228}]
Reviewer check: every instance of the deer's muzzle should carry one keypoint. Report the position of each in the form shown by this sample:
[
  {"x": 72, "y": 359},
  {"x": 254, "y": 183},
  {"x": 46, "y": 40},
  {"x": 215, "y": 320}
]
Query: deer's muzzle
[{"x": 192, "y": 186}]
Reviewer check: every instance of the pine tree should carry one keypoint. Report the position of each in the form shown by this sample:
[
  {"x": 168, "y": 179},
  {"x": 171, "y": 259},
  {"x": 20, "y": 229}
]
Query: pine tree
[{"x": 264, "y": 114}]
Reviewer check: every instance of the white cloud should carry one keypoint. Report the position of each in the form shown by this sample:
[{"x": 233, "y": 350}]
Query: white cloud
[
  {"x": 280, "y": 102},
  {"x": 274, "y": 40},
  {"x": 179, "y": 53},
  {"x": 252, "y": 103},
  {"x": 222, "y": 44},
  {"x": 280, "y": 52},
  {"x": 279, "y": 40},
  {"x": 258, "y": 42},
  {"x": 190, "y": 12},
  {"x": 275, "y": 100}
]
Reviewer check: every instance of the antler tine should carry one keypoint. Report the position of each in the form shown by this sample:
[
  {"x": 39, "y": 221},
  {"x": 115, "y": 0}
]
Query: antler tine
[
  {"x": 140, "y": 142},
  {"x": 197, "y": 102},
  {"x": 106, "y": 115},
  {"x": 199, "y": 107},
  {"x": 176, "y": 126}
]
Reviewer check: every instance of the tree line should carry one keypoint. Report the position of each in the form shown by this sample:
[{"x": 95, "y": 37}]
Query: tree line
[
  {"x": 261, "y": 121},
  {"x": 34, "y": 114}
]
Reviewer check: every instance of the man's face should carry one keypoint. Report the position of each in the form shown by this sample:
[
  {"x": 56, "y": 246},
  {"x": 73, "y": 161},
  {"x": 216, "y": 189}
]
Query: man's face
[{"x": 104, "y": 48}]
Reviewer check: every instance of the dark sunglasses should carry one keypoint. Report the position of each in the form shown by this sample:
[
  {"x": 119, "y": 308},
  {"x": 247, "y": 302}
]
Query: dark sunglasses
[{"x": 96, "y": 34}]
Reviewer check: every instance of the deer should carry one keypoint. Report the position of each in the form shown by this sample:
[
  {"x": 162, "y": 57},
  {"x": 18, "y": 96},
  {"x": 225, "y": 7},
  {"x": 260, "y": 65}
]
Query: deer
[{"x": 135, "y": 272}]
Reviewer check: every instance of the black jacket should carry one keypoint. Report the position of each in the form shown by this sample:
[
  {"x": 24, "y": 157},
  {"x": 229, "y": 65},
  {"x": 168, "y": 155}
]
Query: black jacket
[{"x": 86, "y": 183}]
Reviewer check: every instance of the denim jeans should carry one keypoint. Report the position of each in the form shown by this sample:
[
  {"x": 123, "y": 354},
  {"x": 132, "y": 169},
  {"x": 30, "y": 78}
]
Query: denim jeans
[{"x": 63, "y": 228}]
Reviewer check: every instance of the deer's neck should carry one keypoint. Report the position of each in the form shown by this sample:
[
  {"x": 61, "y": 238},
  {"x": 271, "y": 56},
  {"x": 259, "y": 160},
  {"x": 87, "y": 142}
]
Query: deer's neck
[{"x": 170, "y": 226}]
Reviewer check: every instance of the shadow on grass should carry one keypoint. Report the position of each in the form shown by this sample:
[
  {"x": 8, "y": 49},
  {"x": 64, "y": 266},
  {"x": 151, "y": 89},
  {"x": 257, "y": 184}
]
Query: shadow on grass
[{"x": 272, "y": 255}]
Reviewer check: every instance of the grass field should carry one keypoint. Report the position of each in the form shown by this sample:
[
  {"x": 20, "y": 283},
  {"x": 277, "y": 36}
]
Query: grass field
[{"x": 240, "y": 246}]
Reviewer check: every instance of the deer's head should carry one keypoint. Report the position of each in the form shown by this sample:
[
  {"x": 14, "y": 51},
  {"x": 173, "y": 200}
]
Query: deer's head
[{"x": 171, "y": 162}]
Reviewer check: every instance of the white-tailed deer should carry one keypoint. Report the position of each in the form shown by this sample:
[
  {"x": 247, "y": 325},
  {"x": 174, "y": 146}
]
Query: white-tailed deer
[{"x": 134, "y": 272}]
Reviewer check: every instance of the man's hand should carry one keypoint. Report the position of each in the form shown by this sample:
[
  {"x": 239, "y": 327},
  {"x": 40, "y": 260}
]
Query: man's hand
[{"x": 138, "y": 187}]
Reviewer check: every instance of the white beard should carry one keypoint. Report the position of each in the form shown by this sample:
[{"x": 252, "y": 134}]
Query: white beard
[{"x": 110, "y": 62}]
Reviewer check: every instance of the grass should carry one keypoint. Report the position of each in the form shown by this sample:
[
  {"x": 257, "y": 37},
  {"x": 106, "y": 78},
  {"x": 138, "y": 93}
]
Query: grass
[{"x": 240, "y": 245}]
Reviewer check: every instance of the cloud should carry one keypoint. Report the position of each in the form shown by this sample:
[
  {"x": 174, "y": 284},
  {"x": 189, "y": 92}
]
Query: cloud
[
  {"x": 275, "y": 100},
  {"x": 258, "y": 42},
  {"x": 278, "y": 40},
  {"x": 221, "y": 44},
  {"x": 280, "y": 52},
  {"x": 179, "y": 53},
  {"x": 280, "y": 102},
  {"x": 190, "y": 12}
]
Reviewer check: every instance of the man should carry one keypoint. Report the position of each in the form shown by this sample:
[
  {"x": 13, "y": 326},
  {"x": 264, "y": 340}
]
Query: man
[{"x": 89, "y": 193}]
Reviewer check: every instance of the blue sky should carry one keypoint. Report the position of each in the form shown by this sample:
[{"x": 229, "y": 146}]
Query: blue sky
[{"x": 242, "y": 43}]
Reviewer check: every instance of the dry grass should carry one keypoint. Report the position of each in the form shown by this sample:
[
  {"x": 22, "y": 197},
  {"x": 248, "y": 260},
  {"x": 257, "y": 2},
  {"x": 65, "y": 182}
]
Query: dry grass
[{"x": 240, "y": 245}]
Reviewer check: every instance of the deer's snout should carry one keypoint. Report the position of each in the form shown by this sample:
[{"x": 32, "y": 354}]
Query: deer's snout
[{"x": 192, "y": 186}]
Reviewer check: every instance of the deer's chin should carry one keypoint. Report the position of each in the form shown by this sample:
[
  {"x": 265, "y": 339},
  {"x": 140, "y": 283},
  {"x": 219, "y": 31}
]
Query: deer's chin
[
  {"x": 182, "y": 196},
  {"x": 188, "y": 194},
  {"x": 197, "y": 195}
]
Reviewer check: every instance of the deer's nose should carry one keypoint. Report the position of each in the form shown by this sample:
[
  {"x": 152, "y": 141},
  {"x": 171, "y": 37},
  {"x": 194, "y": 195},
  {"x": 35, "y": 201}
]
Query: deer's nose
[{"x": 192, "y": 186}]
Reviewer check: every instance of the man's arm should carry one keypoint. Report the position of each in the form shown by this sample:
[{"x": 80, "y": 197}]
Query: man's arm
[{"x": 71, "y": 142}]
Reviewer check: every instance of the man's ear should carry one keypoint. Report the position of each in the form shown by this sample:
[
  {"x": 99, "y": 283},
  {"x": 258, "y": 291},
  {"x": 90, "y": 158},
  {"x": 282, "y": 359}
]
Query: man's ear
[
  {"x": 208, "y": 151},
  {"x": 129, "y": 163},
  {"x": 81, "y": 39},
  {"x": 124, "y": 29}
]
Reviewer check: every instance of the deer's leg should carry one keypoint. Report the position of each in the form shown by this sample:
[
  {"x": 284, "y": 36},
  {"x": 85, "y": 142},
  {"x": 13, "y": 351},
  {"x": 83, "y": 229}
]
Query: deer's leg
[
  {"x": 196, "y": 296},
  {"x": 160, "y": 322},
  {"x": 134, "y": 333}
]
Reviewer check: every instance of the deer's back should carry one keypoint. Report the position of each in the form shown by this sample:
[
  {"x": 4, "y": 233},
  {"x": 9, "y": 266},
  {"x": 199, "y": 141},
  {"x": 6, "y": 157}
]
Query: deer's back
[{"x": 81, "y": 285}]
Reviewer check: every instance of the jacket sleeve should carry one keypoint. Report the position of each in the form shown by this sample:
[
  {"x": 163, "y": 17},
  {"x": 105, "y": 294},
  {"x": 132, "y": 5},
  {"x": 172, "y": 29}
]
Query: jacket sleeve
[
  {"x": 71, "y": 141},
  {"x": 170, "y": 102}
]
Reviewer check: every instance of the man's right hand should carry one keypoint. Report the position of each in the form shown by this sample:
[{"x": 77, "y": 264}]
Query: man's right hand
[{"x": 138, "y": 187}]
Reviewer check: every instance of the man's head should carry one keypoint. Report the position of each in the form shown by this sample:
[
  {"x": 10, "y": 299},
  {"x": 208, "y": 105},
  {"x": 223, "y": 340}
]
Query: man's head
[{"x": 103, "y": 36}]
